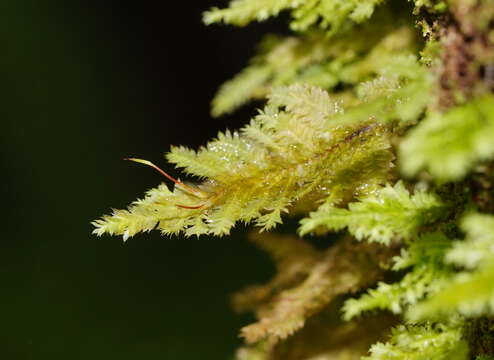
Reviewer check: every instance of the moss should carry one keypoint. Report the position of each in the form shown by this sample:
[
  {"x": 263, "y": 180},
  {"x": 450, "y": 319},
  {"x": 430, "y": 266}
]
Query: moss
[{"x": 370, "y": 131}]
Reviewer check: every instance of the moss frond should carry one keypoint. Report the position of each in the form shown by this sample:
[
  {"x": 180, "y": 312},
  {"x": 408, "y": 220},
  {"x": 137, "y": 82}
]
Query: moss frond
[
  {"x": 342, "y": 61},
  {"x": 342, "y": 97},
  {"x": 398, "y": 94},
  {"x": 471, "y": 291},
  {"x": 384, "y": 214},
  {"x": 422, "y": 342},
  {"x": 327, "y": 14},
  {"x": 309, "y": 283},
  {"x": 291, "y": 152},
  {"x": 427, "y": 275},
  {"x": 449, "y": 144}
]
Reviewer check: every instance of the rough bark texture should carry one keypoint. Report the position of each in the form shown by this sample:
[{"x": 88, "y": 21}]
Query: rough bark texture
[{"x": 467, "y": 60}]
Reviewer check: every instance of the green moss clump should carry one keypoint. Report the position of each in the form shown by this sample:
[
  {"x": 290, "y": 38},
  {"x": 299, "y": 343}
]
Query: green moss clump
[{"x": 375, "y": 129}]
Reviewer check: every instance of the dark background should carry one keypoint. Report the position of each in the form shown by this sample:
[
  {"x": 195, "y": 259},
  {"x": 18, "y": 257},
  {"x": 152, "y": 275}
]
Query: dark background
[{"x": 83, "y": 85}]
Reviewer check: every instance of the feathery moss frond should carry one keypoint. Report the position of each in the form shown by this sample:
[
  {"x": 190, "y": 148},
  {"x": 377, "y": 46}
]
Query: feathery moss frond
[
  {"x": 342, "y": 94},
  {"x": 333, "y": 274},
  {"x": 291, "y": 151},
  {"x": 448, "y": 145},
  {"x": 478, "y": 249},
  {"x": 422, "y": 342},
  {"x": 249, "y": 84},
  {"x": 324, "y": 337},
  {"x": 470, "y": 292},
  {"x": 428, "y": 273},
  {"x": 312, "y": 58},
  {"x": 393, "y": 297},
  {"x": 389, "y": 212},
  {"x": 398, "y": 94},
  {"x": 242, "y": 12},
  {"x": 327, "y": 14}
]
